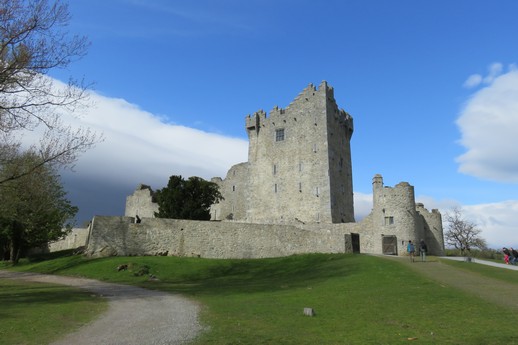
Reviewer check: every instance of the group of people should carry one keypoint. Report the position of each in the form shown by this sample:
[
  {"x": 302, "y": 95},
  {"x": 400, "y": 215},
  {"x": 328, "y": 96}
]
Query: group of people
[
  {"x": 510, "y": 255},
  {"x": 410, "y": 248}
]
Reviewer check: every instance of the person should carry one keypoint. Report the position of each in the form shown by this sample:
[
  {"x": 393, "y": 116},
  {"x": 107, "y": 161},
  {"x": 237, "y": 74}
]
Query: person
[
  {"x": 514, "y": 254},
  {"x": 507, "y": 255},
  {"x": 422, "y": 250},
  {"x": 411, "y": 250}
]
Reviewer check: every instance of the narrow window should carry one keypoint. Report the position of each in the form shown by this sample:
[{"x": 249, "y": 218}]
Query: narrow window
[
  {"x": 233, "y": 188},
  {"x": 389, "y": 220},
  {"x": 300, "y": 187},
  {"x": 279, "y": 134},
  {"x": 275, "y": 169},
  {"x": 275, "y": 188}
]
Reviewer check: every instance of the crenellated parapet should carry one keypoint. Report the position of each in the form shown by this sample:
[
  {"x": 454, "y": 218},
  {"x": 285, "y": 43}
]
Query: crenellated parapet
[
  {"x": 253, "y": 122},
  {"x": 322, "y": 96},
  {"x": 433, "y": 231}
]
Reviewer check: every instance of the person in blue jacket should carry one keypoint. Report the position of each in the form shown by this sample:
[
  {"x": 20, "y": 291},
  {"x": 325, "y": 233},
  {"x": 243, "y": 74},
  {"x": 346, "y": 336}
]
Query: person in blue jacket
[{"x": 410, "y": 248}]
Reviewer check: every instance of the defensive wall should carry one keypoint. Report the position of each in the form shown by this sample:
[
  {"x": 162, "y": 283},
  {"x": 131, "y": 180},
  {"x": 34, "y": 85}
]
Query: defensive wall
[
  {"x": 395, "y": 219},
  {"x": 121, "y": 236},
  {"x": 78, "y": 237}
]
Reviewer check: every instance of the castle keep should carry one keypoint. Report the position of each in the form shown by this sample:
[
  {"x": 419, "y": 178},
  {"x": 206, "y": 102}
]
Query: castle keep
[
  {"x": 294, "y": 195},
  {"x": 299, "y": 165}
]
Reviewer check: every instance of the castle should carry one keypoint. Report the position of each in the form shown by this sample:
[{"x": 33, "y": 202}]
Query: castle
[
  {"x": 299, "y": 165},
  {"x": 293, "y": 195}
]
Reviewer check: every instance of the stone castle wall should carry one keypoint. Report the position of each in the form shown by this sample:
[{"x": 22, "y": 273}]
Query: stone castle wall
[
  {"x": 141, "y": 203},
  {"x": 392, "y": 216},
  {"x": 234, "y": 188},
  {"x": 121, "y": 236},
  {"x": 78, "y": 237},
  {"x": 299, "y": 165},
  {"x": 433, "y": 234}
]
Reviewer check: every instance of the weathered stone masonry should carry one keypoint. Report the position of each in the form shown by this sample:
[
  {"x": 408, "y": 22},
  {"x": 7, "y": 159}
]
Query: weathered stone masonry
[
  {"x": 299, "y": 165},
  {"x": 153, "y": 236},
  {"x": 293, "y": 196}
]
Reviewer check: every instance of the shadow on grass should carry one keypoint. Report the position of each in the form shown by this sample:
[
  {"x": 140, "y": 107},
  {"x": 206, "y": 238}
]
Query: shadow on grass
[
  {"x": 51, "y": 256},
  {"x": 13, "y": 294},
  {"x": 49, "y": 263},
  {"x": 235, "y": 276},
  {"x": 194, "y": 276}
]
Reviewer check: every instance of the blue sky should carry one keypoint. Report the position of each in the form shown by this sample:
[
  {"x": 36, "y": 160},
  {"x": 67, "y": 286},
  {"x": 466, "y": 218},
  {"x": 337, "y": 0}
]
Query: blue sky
[{"x": 432, "y": 87}]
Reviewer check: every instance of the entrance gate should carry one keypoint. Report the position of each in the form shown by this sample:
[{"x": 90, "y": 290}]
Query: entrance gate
[
  {"x": 355, "y": 239},
  {"x": 389, "y": 245}
]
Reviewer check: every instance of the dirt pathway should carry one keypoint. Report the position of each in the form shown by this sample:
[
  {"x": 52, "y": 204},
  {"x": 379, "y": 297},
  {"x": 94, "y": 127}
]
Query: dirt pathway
[
  {"x": 135, "y": 316},
  {"x": 493, "y": 290}
]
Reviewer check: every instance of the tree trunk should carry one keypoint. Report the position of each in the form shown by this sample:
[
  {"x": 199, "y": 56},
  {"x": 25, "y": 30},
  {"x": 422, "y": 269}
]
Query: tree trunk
[{"x": 15, "y": 244}]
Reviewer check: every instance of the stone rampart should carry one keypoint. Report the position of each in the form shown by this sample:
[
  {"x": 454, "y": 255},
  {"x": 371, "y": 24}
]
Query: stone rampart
[
  {"x": 78, "y": 237},
  {"x": 155, "y": 236}
]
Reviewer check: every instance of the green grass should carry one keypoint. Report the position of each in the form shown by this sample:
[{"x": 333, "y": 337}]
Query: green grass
[
  {"x": 509, "y": 276},
  {"x": 31, "y": 312},
  {"x": 357, "y": 299}
]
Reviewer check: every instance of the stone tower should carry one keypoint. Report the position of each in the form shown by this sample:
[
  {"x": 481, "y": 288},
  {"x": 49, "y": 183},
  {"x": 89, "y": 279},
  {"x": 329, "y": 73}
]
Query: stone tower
[
  {"x": 299, "y": 165},
  {"x": 396, "y": 219},
  {"x": 141, "y": 203}
]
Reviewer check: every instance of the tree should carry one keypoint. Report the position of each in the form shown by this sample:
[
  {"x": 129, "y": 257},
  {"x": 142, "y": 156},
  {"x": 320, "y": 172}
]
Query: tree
[
  {"x": 34, "y": 41},
  {"x": 462, "y": 234},
  {"x": 34, "y": 209},
  {"x": 187, "y": 199}
]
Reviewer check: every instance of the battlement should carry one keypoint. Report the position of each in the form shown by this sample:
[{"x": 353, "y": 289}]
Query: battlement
[{"x": 311, "y": 102}]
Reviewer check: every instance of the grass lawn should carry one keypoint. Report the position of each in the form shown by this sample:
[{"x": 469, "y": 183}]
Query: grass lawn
[
  {"x": 505, "y": 275},
  {"x": 36, "y": 313},
  {"x": 358, "y": 299}
]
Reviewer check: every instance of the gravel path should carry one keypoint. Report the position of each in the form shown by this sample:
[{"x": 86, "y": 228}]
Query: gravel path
[{"x": 135, "y": 316}]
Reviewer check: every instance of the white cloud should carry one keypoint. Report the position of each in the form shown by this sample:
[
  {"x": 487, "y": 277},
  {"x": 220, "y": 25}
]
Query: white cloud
[
  {"x": 488, "y": 125},
  {"x": 495, "y": 70},
  {"x": 362, "y": 205},
  {"x": 431, "y": 203},
  {"x": 497, "y": 221},
  {"x": 473, "y": 80},
  {"x": 140, "y": 148}
]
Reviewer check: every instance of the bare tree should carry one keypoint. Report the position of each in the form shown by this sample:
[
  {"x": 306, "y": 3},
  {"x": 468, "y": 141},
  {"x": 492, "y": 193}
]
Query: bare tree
[
  {"x": 33, "y": 41},
  {"x": 462, "y": 234}
]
